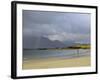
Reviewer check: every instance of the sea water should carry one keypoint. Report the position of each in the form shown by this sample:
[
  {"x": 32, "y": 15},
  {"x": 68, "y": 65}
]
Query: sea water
[{"x": 41, "y": 54}]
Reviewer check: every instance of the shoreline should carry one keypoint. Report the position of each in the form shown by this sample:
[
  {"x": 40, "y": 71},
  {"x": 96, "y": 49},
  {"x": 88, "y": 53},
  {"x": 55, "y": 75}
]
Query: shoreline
[{"x": 57, "y": 62}]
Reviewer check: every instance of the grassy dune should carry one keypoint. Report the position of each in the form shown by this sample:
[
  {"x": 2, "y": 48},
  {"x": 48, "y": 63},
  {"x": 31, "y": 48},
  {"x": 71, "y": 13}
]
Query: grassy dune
[{"x": 56, "y": 63}]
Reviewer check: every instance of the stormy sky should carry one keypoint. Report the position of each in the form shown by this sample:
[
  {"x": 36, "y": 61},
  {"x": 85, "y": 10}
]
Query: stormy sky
[{"x": 61, "y": 26}]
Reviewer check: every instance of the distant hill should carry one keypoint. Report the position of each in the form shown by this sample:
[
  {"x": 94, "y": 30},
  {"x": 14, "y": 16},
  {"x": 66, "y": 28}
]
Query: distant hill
[
  {"x": 70, "y": 43},
  {"x": 43, "y": 42}
]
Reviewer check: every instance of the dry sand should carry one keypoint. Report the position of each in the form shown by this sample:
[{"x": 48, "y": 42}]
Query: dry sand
[{"x": 57, "y": 63}]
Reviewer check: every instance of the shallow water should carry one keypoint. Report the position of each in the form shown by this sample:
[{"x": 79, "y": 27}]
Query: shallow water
[{"x": 41, "y": 54}]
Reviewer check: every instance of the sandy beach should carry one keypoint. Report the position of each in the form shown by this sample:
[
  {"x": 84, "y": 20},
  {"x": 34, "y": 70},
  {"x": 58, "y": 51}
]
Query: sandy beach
[{"x": 57, "y": 63}]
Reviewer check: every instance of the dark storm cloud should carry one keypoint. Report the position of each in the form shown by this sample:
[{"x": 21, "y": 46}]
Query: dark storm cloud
[{"x": 57, "y": 26}]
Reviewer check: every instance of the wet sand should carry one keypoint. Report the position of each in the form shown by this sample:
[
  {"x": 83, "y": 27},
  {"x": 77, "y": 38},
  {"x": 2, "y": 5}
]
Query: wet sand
[{"x": 57, "y": 62}]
